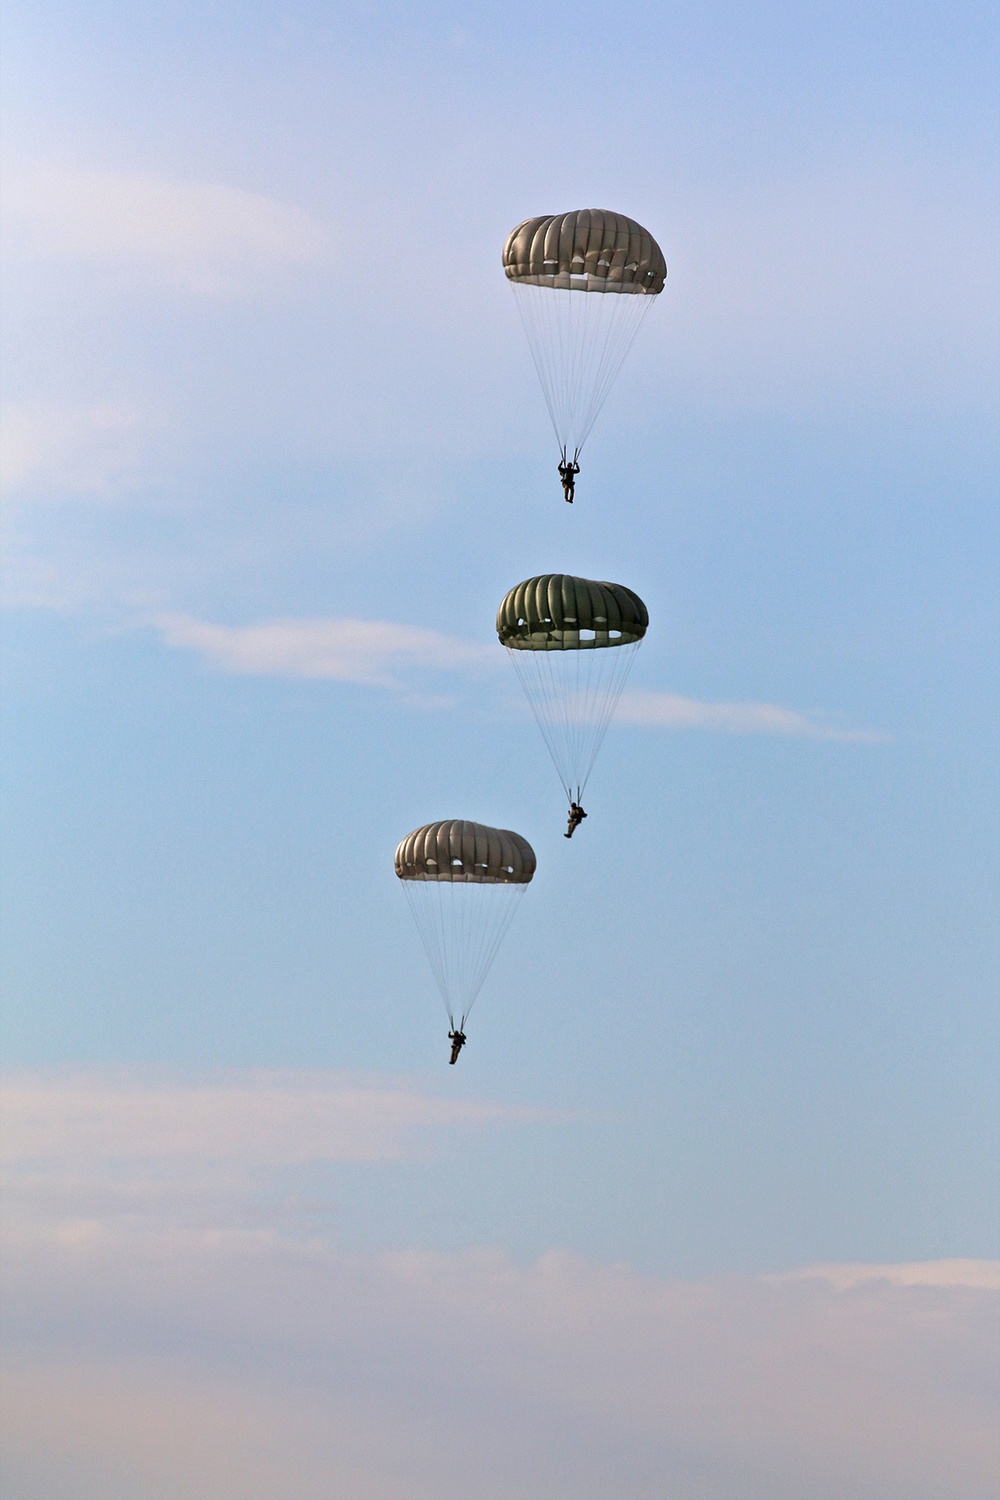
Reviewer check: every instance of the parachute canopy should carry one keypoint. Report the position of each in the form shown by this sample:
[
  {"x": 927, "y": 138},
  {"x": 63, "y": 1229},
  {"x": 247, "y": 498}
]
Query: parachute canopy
[
  {"x": 572, "y": 642},
  {"x": 557, "y": 612},
  {"x": 578, "y": 341},
  {"x": 589, "y": 250},
  {"x": 464, "y": 882}
]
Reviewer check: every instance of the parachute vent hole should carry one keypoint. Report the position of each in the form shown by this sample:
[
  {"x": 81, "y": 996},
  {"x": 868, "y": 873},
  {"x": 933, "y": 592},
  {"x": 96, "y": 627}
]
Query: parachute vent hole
[
  {"x": 614, "y": 635},
  {"x": 588, "y": 635}
]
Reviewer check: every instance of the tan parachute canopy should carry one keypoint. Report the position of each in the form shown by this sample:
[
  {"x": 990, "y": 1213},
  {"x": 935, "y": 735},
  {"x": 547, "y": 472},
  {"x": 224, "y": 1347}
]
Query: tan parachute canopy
[
  {"x": 578, "y": 342},
  {"x": 463, "y": 882},
  {"x": 463, "y": 852},
  {"x": 589, "y": 250},
  {"x": 557, "y": 612}
]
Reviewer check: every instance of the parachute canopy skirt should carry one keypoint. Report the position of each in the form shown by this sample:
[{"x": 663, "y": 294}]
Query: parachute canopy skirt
[
  {"x": 572, "y": 642},
  {"x": 555, "y": 263},
  {"x": 464, "y": 882}
]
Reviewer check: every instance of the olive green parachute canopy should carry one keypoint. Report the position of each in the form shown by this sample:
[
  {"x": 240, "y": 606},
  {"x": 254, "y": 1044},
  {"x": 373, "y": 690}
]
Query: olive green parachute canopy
[
  {"x": 589, "y": 250},
  {"x": 463, "y": 882},
  {"x": 557, "y": 612},
  {"x": 456, "y": 850},
  {"x": 579, "y": 342},
  {"x": 554, "y": 627}
]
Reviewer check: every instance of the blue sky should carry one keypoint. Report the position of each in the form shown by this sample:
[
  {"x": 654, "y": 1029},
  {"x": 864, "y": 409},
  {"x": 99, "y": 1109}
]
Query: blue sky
[{"x": 262, "y": 377}]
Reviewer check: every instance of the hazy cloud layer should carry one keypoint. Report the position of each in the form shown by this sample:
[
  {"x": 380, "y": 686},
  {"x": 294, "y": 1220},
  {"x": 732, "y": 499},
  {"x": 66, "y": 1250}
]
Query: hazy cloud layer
[
  {"x": 238, "y": 1364},
  {"x": 71, "y": 451},
  {"x": 854, "y": 276},
  {"x": 204, "y": 237},
  {"x": 78, "y": 1145},
  {"x": 854, "y": 287},
  {"x": 144, "y": 1356},
  {"x": 260, "y": 1116},
  {"x": 980, "y": 1275}
]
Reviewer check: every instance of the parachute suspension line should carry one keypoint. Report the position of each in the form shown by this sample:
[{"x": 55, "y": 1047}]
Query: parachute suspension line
[
  {"x": 606, "y": 343},
  {"x": 542, "y": 351},
  {"x": 578, "y": 342},
  {"x": 533, "y": 683},
  {"x": 589, "y": 707},
  {"x": 573, "y": 695},
  {"x": 428, "y": 919},
  {"x": 509, "y": 902},
  {"x": 461, "y": 925},
  {"x": 487, "y": 912}
]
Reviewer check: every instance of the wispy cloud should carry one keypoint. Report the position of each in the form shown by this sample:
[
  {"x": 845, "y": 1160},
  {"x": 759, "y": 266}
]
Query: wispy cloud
[
  {"x": 70, "y": 451},
  {"x": 979, "y": 1275},
  {"x": 671, "y": 711},
  {"x": 260, "y": 1116},
  {"x": 76, "y": 1145},
  {"x": 205, "y": 237},
  {"x": 363, "y": 651},
  {"x": 374, "y": 652}
]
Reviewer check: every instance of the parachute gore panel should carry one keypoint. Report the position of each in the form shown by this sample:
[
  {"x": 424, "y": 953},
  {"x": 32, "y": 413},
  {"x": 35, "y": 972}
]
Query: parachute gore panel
[
  {"x": 460, "y": 852},
  {"x": 557, "y": 612},
  {"x": 589, "y": 250}
]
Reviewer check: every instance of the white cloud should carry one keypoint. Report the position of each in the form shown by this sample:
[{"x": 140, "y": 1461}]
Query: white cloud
[
  {"x": 363, "y": 651},
  {"x": 205, "y": 237},
  {"x": 671, "y": 711}
]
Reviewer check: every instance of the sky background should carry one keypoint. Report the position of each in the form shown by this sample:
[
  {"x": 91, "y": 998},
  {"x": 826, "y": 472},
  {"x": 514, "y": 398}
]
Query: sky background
[{"x": 274, "y": 450}]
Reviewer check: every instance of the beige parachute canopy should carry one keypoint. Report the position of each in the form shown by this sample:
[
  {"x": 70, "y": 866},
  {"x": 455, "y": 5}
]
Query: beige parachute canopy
[
  {"x": 458, "y": 851},
  {"x": 463, "y": 882},
  {"x": 553, "y": 627},
  {"x": 589, "y": 250},
  {"x": 557, "y": 612},
  {"x": 579, "y": 342}
]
